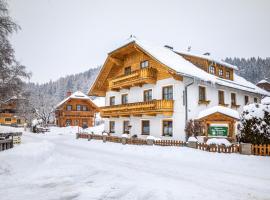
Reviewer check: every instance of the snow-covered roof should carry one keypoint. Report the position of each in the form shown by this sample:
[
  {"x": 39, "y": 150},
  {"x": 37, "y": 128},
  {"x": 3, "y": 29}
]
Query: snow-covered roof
[
  {"x": 185, "y": 68},
  {"x": 76, "y": 95},
  {"x": 263, "y": 81},
  {"x": 266, "y": 100},
  {"x": 99, "y": 101},
  {"x": 210, "y": 58},
  {"x": 219, "y": 109}
]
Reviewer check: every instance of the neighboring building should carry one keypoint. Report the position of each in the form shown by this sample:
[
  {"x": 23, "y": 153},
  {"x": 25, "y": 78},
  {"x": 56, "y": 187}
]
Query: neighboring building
[
  {"x": 76, "y": 110},
  {"x": 9, "y": 112},
  {"x": 264, "y": 84},
  {"x": 155, "y": 91}
]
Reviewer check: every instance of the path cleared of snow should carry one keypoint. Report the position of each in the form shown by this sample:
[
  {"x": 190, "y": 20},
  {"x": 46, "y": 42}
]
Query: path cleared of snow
[{"x": 57, "y": 166}]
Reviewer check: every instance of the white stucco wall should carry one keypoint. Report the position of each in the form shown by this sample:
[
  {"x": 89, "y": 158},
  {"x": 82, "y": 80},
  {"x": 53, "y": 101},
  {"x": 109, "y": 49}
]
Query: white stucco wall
[{"x": 135, "y": 94}]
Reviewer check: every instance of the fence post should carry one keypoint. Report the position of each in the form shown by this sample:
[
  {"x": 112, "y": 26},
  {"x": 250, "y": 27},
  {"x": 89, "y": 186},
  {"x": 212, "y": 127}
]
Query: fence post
[
  {"x": 150, "y": 141},
  {"x": 104, "y": 138},
  {"x": 246, "y": 148},
  {"x": 77, "y": 135},
  {"x": 124, "y": 140},
  {"x": 89, "y": 137}
]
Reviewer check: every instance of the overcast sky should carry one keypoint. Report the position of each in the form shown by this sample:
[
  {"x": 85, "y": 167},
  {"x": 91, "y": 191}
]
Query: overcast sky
[{"x": 61, "y": 37}]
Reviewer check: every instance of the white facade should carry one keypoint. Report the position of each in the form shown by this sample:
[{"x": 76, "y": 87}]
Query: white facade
[{"x": 135, "y": 94}]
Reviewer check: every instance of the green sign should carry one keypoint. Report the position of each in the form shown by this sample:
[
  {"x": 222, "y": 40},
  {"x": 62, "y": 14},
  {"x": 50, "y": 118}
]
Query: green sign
[{"x": 218, "y": 131}]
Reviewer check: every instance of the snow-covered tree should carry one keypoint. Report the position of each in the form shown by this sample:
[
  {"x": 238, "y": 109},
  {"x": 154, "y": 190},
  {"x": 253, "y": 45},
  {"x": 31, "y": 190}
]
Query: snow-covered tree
[{"x": 255, "y": 124}]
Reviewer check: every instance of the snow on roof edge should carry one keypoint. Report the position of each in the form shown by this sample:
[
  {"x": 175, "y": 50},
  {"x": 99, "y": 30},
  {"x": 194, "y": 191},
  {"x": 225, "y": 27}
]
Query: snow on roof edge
[{"x": 220, "y": 109}]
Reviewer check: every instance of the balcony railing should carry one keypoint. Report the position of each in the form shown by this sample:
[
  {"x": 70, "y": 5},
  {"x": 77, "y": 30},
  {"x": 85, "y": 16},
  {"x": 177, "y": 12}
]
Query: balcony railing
[
  {"x": 136, "y": 78},
  {"x": 75, "y": 114},
  {"x": 154, "y": 107}
]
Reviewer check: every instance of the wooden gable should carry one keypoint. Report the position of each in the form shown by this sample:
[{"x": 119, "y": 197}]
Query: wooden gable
[
  {"x": 131, "y": 56},
  {"x": 74, "y": 102}
]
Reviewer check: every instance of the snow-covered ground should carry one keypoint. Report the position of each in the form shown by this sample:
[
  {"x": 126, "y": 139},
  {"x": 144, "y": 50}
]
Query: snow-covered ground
[{"x": 57, "y": 166}]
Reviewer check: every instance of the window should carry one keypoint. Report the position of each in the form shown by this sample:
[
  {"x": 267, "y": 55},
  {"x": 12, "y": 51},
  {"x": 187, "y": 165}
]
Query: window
[
  {"x": 78, "y": 107},
  {"x": 84, "y": 123},
  {"x": 69, "y": 107},
  {"x": 68, "y": 122},
  {"x": 8, "y": 119},
  {"x": 76, "y": 122},
  {"x": 145, "y": 127},
  {"x": 112, "y": 101},
  {"x": 127, "y": 70},
  {"x": 124, "y": 98},
  {"x": 233, "y": 99},
  {"x": 112, "y": 126},
  {"x": 126, "y": 127},
  {"x": 202, "y": 95},
  {"x": 18, "y": 121},
  {"x": 167, "y": 93},
  {"x": 220, "y": 72},
  {"x": 212, "y": 69},
  {"x": 221, "y": 97},
  {"x": 246, "y": 100},
  {"x": 255, "y": 100},
  {"x": 147, "y": 95},
  {"x": 84, "y": 108},
  {"x": 144, "y": 64},
  {"x": 167, "y": 128},
  {"x": 228, "y": 75}
]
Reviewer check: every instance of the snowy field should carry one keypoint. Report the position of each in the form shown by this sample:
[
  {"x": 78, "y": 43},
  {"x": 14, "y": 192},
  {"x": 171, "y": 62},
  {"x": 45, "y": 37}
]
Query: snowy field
[{"x": 57, "y": 166}]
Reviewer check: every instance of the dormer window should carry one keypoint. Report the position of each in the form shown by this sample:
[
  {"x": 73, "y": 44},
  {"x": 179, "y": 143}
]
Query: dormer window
[
  {"x": 212, "y": 69},
  {"x": 220, "y": 72},
  {"x": 228, "y": 75},
  {"x": 144, "y": 64}
]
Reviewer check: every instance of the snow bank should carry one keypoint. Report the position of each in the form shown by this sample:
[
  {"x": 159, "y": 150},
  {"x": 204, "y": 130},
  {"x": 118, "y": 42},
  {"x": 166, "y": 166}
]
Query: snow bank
[
  {"x": 124, "y": 136},
  {"x": 192, "y": 139},
  {"x": 220, "y": 109},
  {"x": 266, "y": 101},
  {"x": 8, "y": 129},
  {"x": 150, "y": 137},
  {"x": 218, "y": 141},
  {"x": 98, "y": 130}
]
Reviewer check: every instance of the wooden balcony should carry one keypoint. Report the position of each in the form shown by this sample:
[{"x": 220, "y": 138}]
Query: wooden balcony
[
  {"x": 76, "y": 114},
  {"x": 136, "y": 78},
  {"x": 152, "y": 108}
]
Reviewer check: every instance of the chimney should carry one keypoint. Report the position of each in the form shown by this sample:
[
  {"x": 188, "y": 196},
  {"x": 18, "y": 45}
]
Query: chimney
[
  {"x": 169, "y": 47},
  {"x": 69, "y": 93}
]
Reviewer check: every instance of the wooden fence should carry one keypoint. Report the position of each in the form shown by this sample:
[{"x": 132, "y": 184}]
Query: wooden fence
[
  {"x": 234, "y": 148},
  {"x": 169, "y": 143},
  {"x": 261, "y": 150},
  {"x": 6, "y": 144}
]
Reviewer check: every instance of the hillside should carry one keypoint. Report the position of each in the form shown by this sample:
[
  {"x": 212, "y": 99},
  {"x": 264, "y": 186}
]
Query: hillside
[{"x": 253, "y": 69}]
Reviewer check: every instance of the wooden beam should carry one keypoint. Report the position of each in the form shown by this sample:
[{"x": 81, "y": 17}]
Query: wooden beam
[{"x": 116, "y": 61}]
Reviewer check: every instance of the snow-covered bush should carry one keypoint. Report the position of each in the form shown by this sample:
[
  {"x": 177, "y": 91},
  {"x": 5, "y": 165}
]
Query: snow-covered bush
[
  {"x": 218, "y": 141},
  {"x": 192, "y": 139},
  {"x": 254, "y": 124}
]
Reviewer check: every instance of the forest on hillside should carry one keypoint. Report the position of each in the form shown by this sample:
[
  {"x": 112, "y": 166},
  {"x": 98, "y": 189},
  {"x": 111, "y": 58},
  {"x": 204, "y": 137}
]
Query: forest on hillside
[{"x": 253, "y": 69}]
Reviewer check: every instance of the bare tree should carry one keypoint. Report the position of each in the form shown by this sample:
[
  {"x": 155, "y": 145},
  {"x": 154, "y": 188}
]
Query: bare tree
[{"x": 12, "y": 73}]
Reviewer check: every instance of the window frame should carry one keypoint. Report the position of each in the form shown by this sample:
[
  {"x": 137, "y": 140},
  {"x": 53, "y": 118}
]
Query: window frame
[
  {"x": 146, "y": 98},
  {"x": 112, "y": 104},
  {"x": 228, "y": 74},
  {"x": 142, "y": 64},
  {"x": 80, "y": 106},
  {"x": 255, "y": 99},
  {"x": 221, "y": 101},
  {"x": 202, "y": 88},
  {"x": 126, "y": 98},
  {"x": 68, "y": 107},
  {"x": 142, "y": 127},
  {"x": 84, "y": 108},
  {"x": 212, "y": 69},
  {"x": 220, "y": 72},
  {"x": 169, "y": 95},
  {"x": 70, "y": 122},
  {"x": 246, "y": 99},
  {"x": 233, "y": 100},
  {"x": 163, "y": 128},
  {"x": 112, "y": 126},
  {"x": 8, "y": 119},
  {"x": 124, "y": 126},
  {"x": 127, "y": 70}
]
